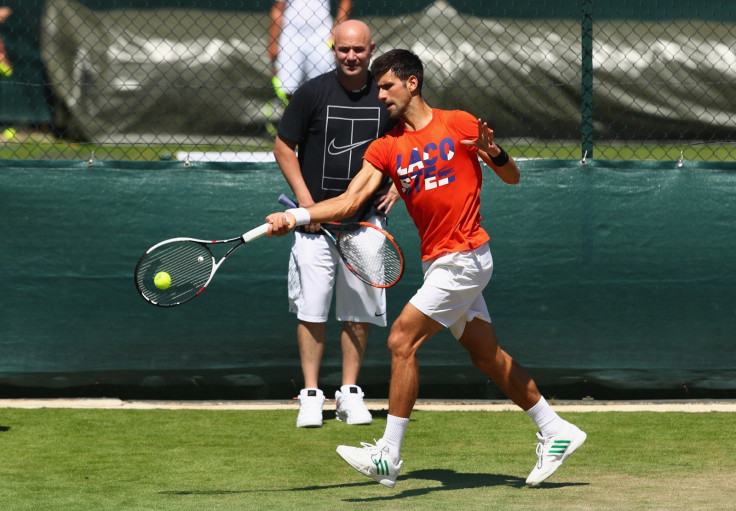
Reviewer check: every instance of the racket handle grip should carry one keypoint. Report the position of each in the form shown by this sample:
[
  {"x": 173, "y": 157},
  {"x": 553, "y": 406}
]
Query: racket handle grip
[
  {"x": 286, "y": 201},
  {"x": 255, "y": 233}
]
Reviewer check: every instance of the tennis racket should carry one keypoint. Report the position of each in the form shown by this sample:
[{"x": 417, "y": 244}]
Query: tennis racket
[
  {"x": 368, "y": 251},
  {"x": 174, "y": 271}
]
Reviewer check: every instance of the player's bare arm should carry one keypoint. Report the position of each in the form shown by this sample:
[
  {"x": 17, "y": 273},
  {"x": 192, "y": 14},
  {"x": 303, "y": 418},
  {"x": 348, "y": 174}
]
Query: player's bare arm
[
  {"x": 285, "y": 153},
  {"x": 488, "y": 150},
  {"x": 364, "y": 184}
]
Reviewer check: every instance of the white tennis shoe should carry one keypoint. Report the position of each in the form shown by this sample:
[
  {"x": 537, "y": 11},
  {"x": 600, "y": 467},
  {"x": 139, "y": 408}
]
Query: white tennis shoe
[
  {"x": 349, "y": 406},
  {"x": 553, "y": 450},
  {"x": 372, "y": 461},
  {"x": 310, "y": 408}
]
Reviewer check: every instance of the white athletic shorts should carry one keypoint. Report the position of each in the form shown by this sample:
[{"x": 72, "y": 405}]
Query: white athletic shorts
[
  {"x": 452, "y": 293},
  {"x": 302, "y": 56},
  {"x": 315, "y": 269}
]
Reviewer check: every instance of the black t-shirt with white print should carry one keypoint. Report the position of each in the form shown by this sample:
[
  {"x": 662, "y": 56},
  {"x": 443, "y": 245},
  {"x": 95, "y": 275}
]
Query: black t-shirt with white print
[{"x": 332, "y": 128}]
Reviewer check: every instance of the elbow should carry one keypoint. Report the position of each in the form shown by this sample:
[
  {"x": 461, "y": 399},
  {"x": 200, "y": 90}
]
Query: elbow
[
  {"x": 509, "y": 175},
  {"x": 512, "y": 173}
]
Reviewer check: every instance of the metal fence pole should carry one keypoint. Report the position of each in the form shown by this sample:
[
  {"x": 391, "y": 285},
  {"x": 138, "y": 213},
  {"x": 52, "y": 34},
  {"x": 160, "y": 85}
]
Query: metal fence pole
[{"x": 587, "y": 78}]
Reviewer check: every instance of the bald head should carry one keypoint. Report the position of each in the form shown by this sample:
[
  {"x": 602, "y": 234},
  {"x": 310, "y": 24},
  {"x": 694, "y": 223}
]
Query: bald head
[
  {"x": 353, "y": 29},
  {"x": 353, "y": 51}
]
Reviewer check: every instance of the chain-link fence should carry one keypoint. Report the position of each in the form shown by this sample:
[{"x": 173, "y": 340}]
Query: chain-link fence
[{"x": 151, "y": 79}]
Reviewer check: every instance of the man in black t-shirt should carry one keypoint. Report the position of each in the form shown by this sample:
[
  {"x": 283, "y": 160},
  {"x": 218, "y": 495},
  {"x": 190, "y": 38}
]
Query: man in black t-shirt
[{"x": 322, "y": 136}]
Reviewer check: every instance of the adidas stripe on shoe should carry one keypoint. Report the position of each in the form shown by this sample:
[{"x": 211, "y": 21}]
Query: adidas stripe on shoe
[
  {"x": 372, "y": 461},
  {"x": 553, "y": 450}
]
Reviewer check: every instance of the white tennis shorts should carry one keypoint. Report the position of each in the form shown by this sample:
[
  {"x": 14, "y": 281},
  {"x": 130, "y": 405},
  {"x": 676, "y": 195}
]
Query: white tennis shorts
[
  {"x": 452, "y": 293},
  {"x": 315, "y": 269}
]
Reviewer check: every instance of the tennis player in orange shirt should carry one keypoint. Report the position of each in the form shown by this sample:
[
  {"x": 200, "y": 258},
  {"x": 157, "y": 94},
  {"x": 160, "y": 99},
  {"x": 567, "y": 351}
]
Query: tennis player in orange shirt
[{"x": 432, "y": 157}]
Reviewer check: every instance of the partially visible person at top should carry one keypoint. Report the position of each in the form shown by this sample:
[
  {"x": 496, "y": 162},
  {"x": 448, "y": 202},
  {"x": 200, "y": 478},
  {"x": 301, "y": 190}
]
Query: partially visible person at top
[
  {"x": 300, "y": 36},
  {"x": 325, "y": 129},
  {"x": 6, "y": 68},
  {"x": 432, "y": 156}
]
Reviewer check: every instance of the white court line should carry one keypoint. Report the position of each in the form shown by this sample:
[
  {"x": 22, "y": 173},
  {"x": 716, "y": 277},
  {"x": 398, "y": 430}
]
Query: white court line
[
  {"x": 424, "y": 405},
  {"x": 227, "y": 156}
]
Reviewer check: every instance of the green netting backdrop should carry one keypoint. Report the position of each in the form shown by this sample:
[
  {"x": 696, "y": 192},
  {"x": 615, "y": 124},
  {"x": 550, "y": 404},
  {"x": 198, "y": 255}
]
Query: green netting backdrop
[{"x": 611, "y": 279}]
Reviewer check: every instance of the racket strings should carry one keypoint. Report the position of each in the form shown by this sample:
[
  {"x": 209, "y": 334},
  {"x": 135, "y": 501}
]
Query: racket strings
[
  {"x": 188, "y": 263},
  {"x": 372, "y": 255}
]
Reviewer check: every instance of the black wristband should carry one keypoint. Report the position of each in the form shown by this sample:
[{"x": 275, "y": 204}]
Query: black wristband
[{"x": 502, "y": 158}]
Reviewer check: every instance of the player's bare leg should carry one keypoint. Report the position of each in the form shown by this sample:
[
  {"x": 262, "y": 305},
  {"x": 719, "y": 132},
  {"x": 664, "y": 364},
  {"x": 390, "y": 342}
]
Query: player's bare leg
[
  {"x": 311, "y": 338},
  {"x": 558, "y": 439},
  {"x": 410, "y": 330},
  {"x": 349, "y": 405},
  {"x": 382, "y": 462},
  {"x": 354, "y": 340},
  {"x": 479, "y": 339}
]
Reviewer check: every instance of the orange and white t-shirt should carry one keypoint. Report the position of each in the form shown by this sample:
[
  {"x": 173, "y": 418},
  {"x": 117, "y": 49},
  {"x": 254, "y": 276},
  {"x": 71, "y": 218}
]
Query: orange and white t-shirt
[{"x": 438, "y": 178}]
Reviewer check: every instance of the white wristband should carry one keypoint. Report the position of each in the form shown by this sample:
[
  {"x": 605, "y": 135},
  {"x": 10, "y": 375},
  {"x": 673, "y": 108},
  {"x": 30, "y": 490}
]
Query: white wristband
[{"x": 301, "y": 215}]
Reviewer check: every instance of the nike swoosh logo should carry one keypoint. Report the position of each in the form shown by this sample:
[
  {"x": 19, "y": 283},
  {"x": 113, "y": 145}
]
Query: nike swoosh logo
[
  {"x": 381, "y": 314},
  {"x": 334, "y": 150}
]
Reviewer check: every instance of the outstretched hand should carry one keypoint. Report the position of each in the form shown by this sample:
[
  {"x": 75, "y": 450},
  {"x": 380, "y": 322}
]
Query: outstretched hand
[
  {"x": 489, "y": 152},
  {"x": 484, "y": 142},
  {"x": 387, "y": 198}
]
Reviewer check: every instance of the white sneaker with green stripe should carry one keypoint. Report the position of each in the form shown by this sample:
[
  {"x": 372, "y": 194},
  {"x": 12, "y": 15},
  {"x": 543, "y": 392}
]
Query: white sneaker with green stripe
[
  {"x": 553, "y": 450},
  {"x": 372, "y": 461}
]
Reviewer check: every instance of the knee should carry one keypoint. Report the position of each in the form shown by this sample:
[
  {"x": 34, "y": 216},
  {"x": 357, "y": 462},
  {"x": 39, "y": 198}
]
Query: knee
[
  {"x": 480, "y": 361},
  {"x": 488, "y": 359},
  {"x": 399, "y": 343},
  {"x": 496, "y": 361},
  {"x": 395, "y": 345}
]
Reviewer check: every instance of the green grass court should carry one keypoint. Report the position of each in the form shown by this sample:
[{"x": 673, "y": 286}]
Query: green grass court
[{"x": 101, "y": 459}]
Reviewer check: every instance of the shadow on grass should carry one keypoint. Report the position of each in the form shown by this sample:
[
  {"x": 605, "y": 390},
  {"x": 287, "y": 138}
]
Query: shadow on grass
[{"x": 449, "y": 480}]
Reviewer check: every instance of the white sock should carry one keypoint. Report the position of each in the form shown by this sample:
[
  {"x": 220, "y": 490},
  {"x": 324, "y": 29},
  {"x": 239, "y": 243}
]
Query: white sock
[
  {"x": 548, "y": 422},
  {"x": 393, "y": 437}
]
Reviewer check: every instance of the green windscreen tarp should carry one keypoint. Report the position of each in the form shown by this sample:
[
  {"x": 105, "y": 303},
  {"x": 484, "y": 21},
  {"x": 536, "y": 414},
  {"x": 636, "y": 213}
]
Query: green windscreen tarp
[{"x": 611, "y": 279}]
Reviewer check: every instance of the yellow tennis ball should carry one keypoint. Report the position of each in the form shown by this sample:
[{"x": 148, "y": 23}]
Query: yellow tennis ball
[
  {"x": 162, "y": 280},
  {"x": 9, "y": 133}
]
